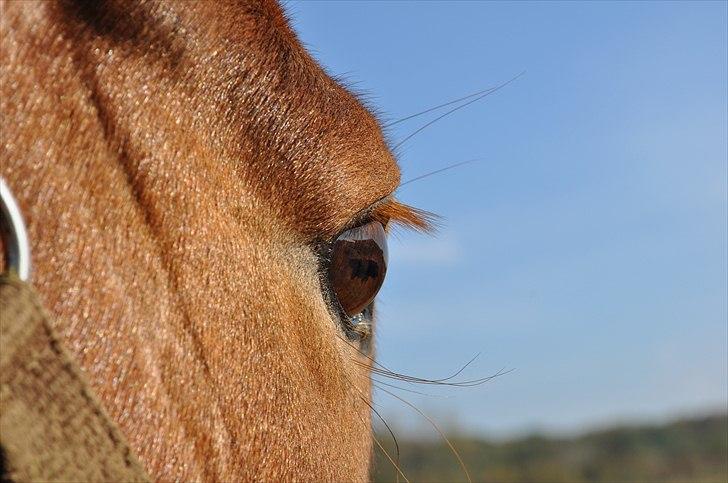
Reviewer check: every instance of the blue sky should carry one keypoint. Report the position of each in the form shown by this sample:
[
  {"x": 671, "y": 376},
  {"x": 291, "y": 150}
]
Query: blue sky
[{"x": 587, "y": 250}]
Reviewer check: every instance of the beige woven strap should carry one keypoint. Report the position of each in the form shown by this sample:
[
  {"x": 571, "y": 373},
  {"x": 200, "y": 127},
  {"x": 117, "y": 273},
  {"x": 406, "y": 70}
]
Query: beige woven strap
[{"x": 52, "y": 427}]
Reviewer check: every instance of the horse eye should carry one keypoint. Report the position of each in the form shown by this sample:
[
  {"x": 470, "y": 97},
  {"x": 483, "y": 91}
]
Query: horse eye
[{"x": 358, "y": 265}]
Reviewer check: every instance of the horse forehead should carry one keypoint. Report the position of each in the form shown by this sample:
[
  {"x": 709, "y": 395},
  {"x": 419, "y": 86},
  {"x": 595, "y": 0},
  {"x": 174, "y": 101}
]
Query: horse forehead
[{"x": 318, "y": 186}]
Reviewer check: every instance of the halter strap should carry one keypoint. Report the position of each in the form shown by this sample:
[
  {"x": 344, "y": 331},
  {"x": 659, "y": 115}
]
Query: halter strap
[{"x": 13, "y": 234}]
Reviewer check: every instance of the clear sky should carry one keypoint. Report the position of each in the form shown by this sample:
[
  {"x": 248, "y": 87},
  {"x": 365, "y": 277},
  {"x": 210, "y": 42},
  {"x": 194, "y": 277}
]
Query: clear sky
[{"x": 587, "y": 250}]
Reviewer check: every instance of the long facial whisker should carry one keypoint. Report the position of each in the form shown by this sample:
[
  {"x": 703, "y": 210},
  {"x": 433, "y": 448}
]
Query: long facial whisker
[
  {"x": 449, "y": 103},
  {"x": 391, "y": 433},
  {"x": 415, "y": 380},
  {"x": 376, "y": 364},
  {"x": 393, "y": 386},
  {"x": 405, "y": 377},
  {"x": 389, "y": 429},
  {"x": 396, "y": 466},
  {"x": 439, "y": 431},
  {"x": 381, "y": 369},
  {"x": 455, "y": 109},
  {"x": 386, "y": 372},
  {"x": 370, "y": 404}
]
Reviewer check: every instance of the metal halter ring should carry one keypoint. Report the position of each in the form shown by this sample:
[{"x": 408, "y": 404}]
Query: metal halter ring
[{"x": 14, "y": 235}]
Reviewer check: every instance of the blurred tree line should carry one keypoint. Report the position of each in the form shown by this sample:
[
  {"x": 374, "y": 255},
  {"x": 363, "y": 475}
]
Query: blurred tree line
[{"x": 691, "y": 450}]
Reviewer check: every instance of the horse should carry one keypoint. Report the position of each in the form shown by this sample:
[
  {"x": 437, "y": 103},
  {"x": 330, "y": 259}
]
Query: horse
[{"x": 207, "y": 212}]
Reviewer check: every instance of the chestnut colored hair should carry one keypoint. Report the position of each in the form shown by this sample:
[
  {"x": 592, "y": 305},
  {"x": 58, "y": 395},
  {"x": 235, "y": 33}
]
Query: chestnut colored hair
[{"x": 177, "y": 163}]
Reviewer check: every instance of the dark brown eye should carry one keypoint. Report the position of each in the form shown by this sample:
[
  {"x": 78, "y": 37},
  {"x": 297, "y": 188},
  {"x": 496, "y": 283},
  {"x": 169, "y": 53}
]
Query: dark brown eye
[{"x": 358, "y": 266}]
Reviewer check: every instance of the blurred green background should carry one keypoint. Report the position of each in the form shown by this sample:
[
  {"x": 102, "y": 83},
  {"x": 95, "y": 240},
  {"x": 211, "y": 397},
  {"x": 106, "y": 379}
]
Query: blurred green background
[{"x": 691, "y": 450}]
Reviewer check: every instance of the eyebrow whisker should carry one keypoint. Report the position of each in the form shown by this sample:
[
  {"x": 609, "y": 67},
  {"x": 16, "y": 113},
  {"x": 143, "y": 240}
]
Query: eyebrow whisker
[
  {"x": 449, "y": 103},
  {"x": 446, "y": 168},
  {"x": 454, "y": 109}
]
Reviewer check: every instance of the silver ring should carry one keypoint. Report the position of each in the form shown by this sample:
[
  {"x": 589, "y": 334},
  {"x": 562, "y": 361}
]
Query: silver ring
[{"x": 14, "y": 235}]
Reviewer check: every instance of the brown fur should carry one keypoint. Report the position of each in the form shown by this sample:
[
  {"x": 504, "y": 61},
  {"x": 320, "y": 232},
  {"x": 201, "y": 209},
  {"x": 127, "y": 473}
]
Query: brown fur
[{"x": 176, "y": 164}]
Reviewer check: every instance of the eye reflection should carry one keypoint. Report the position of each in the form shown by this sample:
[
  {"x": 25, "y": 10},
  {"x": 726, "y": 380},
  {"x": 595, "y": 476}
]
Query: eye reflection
[{"x": 358, "y": 266}]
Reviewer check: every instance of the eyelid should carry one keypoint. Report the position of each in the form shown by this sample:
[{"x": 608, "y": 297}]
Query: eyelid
[{"x": 364, "y": 216}]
